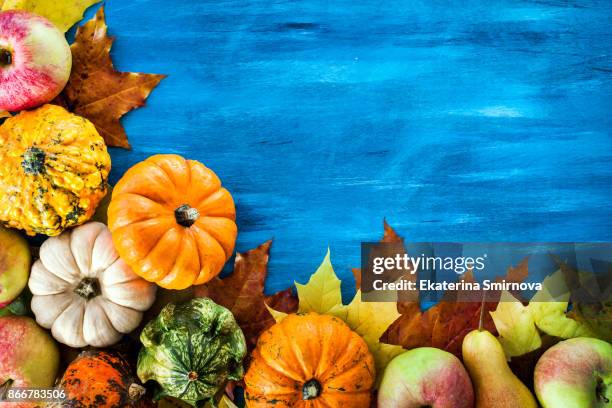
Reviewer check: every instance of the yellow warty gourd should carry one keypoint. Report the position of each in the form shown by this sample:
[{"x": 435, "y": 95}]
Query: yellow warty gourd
[{"x": 53, "y": 170}]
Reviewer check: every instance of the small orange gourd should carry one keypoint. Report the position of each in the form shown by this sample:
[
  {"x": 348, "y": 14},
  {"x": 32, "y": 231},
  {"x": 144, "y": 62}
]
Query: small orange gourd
[
  {"x": 172, "y": 222},
  {"x": 310, "y": 360},
  {"x": 101, "y": 379}
]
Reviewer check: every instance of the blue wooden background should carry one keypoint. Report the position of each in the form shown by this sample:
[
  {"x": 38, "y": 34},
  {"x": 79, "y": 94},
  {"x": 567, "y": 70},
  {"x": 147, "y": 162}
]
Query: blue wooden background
[{"x": 456, "y": 120}]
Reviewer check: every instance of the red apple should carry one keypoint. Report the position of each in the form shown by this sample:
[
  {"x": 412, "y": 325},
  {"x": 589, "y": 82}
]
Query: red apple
[
  {"x": 29, "y": 357},
  {"x": 575, "y": 373},
  {"x": 14, "y": 265},
  {"x": 425, "y": 377},
  {"x": 35, "y": 60}
]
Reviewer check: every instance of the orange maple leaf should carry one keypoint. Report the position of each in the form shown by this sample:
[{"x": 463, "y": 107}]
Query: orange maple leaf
[{"x": 96, "y": 90}]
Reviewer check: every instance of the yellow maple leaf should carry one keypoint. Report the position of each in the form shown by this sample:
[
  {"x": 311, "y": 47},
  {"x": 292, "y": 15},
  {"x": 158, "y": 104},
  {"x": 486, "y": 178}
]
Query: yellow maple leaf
[
  {"x": 63, "y": 13},
  {"x": 370, "y": 320},
  {"x": 518, "y": 334},
  {"x": 322, "y": 293},
  {"x": 519, "y": 326},
  {"x": 549, "y": 312}
]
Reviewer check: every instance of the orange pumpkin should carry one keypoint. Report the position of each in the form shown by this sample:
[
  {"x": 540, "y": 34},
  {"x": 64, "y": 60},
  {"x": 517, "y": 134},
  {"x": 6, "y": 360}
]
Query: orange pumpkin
[
  {"x": 101, "y": 379},
  {"x": 310, "y": 360},
  {"x": 172, "y": 222}
]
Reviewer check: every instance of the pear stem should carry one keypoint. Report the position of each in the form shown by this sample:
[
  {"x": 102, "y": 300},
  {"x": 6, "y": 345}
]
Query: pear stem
[{"x": 481, "y": 320}]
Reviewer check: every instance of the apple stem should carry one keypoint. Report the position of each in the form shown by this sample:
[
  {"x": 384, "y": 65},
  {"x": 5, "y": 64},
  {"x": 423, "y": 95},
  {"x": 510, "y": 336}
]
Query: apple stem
[
  {"x": 6, "y": 57},
  {"x": 5, "y": 387},
  {"x": 600, "y": 391}
]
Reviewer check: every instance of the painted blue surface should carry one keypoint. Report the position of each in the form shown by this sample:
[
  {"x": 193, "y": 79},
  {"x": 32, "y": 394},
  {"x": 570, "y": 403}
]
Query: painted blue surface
[{"x": 458, "y": 121}]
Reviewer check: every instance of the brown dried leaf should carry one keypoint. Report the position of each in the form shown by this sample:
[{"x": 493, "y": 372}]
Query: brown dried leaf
[
  {"x": 96, "y": 90},
  {"x": 242, "y": 293}
]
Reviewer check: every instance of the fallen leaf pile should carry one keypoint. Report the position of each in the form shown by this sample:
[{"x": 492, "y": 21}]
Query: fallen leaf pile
[
  {"x": 445, "y": 324},
  {"x": 96, "y": 90}
]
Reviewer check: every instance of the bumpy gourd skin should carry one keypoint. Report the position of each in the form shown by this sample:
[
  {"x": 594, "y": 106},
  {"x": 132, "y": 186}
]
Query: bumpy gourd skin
[
  {"x": 53, "y": 170},
  {"x": 192, "y": 349}
]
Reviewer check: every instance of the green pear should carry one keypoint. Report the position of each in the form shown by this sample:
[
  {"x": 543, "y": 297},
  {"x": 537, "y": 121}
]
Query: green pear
[
  {"x": 495, "y": 386},
  {"x": 575, "y": 373}
]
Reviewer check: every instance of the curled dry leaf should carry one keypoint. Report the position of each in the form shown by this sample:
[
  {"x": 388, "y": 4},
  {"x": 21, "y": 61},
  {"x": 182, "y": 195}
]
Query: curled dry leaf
[
  {"x": 96, "y": 90},
  {"x": 242, "y": 292}
]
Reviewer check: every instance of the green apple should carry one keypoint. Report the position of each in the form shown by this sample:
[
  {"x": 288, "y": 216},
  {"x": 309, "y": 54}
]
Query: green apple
[
  {"x": 14, "y": 265},
  {"x": 575, "y": 373},
  {"x": 426, "y": 377}
]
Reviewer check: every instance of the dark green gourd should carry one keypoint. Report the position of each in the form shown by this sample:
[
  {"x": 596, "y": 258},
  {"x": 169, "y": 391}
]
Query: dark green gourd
[{"x": 192, "y": 350}]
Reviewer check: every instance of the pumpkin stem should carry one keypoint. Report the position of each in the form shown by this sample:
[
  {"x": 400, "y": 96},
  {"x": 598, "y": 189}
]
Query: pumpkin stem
[
  {"x": 33, "y": 161},
  {"x": 88, "y": 288},
  {"x": 186, "y": 215},
  {"x": 136, "y": 391},
  {"x": 6, "y": 57},
  {"x": 311, "y": 389}
]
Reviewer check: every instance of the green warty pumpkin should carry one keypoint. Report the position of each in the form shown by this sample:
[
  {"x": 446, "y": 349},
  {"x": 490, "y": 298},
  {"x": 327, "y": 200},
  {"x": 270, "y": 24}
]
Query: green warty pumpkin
[{"x": 192, "y": 350}]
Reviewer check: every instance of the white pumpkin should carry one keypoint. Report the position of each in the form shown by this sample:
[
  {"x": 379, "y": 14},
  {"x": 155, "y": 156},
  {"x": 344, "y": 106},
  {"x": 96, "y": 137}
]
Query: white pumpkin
[{"x": 83, "y": 292}]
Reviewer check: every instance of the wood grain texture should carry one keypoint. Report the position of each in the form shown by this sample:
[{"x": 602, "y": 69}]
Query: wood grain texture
[{"x": 458, "y": 121}]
